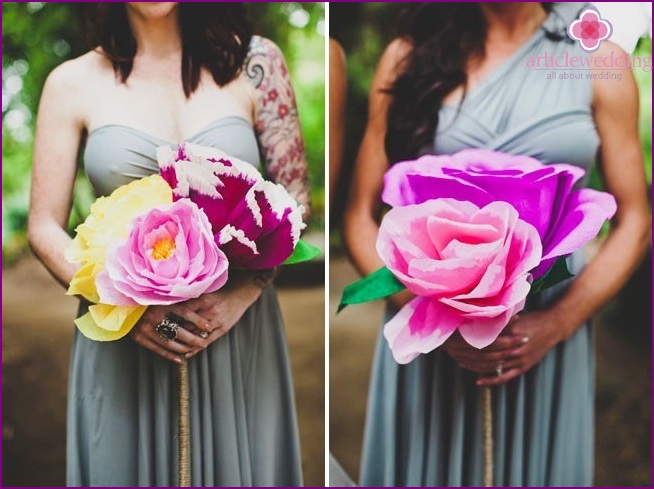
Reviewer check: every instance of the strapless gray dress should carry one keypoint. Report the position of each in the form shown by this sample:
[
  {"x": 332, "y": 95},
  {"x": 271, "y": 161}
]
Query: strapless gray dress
[
  {"x": 122, "y": 400},
  {"x": 424, "y": 423}
]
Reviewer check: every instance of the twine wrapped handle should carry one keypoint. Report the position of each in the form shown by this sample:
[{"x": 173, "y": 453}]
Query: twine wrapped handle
[
  {"x": 184, "y": 449},
  {"x": 488, "y": 436}
]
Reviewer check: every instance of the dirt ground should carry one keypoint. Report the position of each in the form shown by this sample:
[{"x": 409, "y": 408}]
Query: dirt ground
[
  {"x": 623, "y": 392},
  {"x": 36, "y": 336}
]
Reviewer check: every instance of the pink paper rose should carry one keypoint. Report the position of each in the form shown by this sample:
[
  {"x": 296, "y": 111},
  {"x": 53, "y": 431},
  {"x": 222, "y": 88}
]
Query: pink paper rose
[
  {"x": 544, "y": 195},
  {"x": 169, "y": 256},
  {"x": 469, "y": 267}
]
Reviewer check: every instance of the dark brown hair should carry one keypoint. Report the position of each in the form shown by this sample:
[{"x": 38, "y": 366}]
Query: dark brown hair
[
  {"x": 215, "y": 35},
  {"x": 444, "y": 36}
]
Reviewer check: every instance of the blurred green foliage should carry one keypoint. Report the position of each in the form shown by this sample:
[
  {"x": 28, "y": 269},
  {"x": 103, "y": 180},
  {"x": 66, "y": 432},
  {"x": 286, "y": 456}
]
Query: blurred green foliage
[
  {"x": 37, "y": 36},
  {"x": 644, "y": 81},
  {"x": 365, "y": 29}
]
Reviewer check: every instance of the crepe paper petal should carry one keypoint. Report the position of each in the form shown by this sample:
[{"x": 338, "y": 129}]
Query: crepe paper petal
[
  {"x": 481, "y": 332},
  {"x": 256, "y": 222},
  {"x": 109, "y": 219},
  {"x": 543, "y": 195},
  {"x": 582, "y": 218},
  {"x": 168, "y": 257},
  {"x": 377, "y": 285},
  {"x": 83, "y": 284},
  {"x": 108, "y": 224},
  {"x": 557, "y": 273},
  {"x": 303, "y": 252},
  {"x": 470, "y": 264},
  {"x": 108, "y": 323},
  {"x": 421, "y": 326}
]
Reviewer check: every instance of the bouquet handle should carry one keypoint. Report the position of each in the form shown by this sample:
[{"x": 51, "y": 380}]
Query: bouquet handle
[
  {"x": 184, "y": 451},
  {"x": 488, "y": 436}
]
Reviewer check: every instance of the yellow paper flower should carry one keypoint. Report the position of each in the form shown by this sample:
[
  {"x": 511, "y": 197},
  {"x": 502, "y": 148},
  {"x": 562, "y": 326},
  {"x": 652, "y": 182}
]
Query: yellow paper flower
[{"x": 108, "y": 223}]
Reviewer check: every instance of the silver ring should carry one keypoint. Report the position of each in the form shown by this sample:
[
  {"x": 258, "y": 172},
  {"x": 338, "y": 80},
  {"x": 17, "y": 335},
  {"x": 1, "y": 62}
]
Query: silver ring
[
  {"x": 499, "y": 369},
  {"x": 167, "y": 329},
  {"x": 203, "y": 335}
]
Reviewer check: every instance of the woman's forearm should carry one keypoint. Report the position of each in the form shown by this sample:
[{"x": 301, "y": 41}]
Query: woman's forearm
[
  {"x": 360, "y": 235},
  {"x": 605, "y": 275},
  {"x": 49, "y": 242},
  {"x": 360, "y": 241}
]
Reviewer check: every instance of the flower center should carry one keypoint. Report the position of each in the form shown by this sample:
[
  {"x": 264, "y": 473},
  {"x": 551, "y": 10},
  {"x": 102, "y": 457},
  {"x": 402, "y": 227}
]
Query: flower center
[{"x": 163, "y": 249}]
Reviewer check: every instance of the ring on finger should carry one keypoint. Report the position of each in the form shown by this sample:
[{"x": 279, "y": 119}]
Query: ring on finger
[
  {"x": 167, "y": 329},
  {"x": 499, "y": 369}
]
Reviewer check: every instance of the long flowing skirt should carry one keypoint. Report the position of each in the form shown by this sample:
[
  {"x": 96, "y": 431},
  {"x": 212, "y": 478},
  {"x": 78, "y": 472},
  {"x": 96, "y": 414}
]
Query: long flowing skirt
[
  {"x": 122, "y": 410},
  {"x": 424, "y": 420}
]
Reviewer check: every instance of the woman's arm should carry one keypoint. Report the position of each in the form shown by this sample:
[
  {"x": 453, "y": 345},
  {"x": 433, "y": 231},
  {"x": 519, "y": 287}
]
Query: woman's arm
[
  {"x": 616, "y": 116},
  {"x": 361, "y": 215},
  {"x": 59, "y": 126},
  {"x": 278, "y": 130},
  {"x": 615, "y": 104},
  {"x": 276, "y": 119},
  {"x": 337, "y": 96}
]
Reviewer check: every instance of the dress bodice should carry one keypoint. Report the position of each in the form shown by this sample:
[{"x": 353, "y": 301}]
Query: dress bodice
[
  {"x": 117, "y": 154},
  {"x": 524, "y": 108}
]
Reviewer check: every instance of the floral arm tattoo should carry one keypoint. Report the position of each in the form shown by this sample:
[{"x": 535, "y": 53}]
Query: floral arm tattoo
[{"x": 276, "y": 120}]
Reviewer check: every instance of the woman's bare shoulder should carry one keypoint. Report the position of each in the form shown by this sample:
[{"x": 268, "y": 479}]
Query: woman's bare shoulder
[
  {"x": 394, "y": 55},
  {"x": 398, "y": 48},
  {"x": 264, "y": 65},
  {"x": 391, "y": 63},
  {"x": 262, "y": 46},
  {"x": 73, "y": 86},
  {"x": 617, "y": 90},
  {"x": 77, "y": 73}
]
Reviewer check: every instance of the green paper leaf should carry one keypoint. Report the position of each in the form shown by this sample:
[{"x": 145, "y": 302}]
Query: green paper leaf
[
  {"x": 379, "y": 284},
  {"x": 557, "y": 273},
  {"x": 303, "y": 252}
]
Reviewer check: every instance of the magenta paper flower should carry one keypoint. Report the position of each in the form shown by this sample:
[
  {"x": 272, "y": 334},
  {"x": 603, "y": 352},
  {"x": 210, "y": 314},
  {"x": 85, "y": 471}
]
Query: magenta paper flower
[
  {"x": 255, "y": 222},
  {"x": 590, "y": 29},
  {"x": 543, "y": 195},
  {"x": 469, "y": 267},
  {"x": 169, "y": 256}
]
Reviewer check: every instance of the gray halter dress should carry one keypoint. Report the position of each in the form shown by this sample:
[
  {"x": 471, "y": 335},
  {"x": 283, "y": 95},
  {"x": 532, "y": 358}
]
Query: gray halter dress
[
  {"x": 122, "y": 401},
  {"x": 424, "y": 423}
]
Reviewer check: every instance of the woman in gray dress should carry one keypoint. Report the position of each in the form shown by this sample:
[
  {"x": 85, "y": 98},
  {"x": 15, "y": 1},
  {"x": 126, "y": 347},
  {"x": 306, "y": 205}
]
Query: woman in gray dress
[
  {"x": 163, "y": 73},
  {"x": 460, "y": 79}
]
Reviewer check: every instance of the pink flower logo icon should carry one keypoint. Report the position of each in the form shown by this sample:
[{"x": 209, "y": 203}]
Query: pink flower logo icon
[{"x": 590, "y": 29}]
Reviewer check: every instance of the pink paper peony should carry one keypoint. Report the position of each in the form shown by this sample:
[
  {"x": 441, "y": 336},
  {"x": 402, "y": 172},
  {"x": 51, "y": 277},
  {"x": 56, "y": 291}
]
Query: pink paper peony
[
  {"x": 255, "y": 222},
  {"x": 169, "y": 256},
  {"x": 469, "y": 267}
]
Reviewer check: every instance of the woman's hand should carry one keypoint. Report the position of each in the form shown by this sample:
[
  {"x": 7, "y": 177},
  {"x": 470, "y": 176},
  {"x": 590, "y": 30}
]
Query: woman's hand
[
  {"x": 222, "y": 309},
  {"x": 523, "y": 343},
  {"x": 486, "y": 360},
  {"x": 144, "y": 332},
  {"x": 540, "y": 331}
]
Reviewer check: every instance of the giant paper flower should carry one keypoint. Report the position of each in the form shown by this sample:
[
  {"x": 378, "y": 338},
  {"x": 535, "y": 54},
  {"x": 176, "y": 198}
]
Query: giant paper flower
[
  {"x": 468, "y": 266},
  {"x": 543, "y": 195},
  {"x": 169, "y": 256},
  {"x": 107, "y": 224},
  {"x": 255, "y": 222}
]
